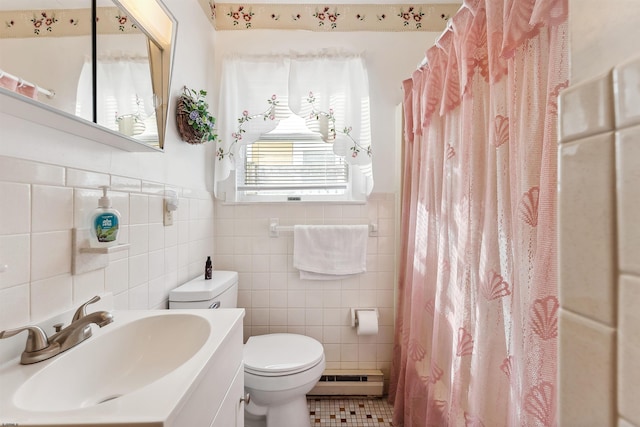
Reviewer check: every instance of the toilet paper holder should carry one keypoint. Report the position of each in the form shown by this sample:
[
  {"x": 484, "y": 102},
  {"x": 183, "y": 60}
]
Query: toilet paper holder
[{"x": 354, "y": 315}]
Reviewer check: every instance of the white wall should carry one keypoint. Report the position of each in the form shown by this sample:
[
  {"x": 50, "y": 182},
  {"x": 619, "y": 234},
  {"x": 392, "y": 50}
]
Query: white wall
[
  {"x": 390, "y": 58},
  {"x": 181, "y": 163},
  {"x": 47, "y": 187},
  {"x": 55, "y": 63},
  {"x": 599, "y": 202},
  {"x": 275, "y": 298},
  {"x": 601, "y": 35},
  {"x": 48, "y": 180}
]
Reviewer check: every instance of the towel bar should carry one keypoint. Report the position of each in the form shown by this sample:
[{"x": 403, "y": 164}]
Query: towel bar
[{"x": 275, "y": 228}]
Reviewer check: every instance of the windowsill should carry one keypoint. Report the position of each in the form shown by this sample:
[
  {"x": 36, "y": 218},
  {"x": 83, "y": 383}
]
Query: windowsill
[{"x": 302, "y": 202}]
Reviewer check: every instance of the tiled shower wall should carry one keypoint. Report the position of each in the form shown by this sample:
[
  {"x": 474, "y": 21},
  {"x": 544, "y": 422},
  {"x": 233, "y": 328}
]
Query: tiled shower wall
[
  {"x": 599, "y": 208},
  {"x": 275, "y": 298},
  {"x": 41, "y": 203}
]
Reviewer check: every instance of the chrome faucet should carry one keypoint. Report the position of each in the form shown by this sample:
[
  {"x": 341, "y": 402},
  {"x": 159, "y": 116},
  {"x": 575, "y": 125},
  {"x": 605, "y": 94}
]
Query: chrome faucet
[{"x": 39, "y": 347}]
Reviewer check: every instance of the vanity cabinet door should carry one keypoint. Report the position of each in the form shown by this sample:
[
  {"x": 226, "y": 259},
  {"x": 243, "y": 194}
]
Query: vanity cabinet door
[
  {"x": 211, "y": 396},
  {"x": 231, "y": 412}
]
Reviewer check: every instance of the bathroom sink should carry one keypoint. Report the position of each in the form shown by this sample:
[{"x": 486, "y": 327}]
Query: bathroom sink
[
  {"x": 115, "y": 363},
  {"x": 141, "y": 369}
]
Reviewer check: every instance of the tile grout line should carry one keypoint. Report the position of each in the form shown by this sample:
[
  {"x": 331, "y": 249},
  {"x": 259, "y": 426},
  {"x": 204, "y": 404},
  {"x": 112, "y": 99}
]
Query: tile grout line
[{"x": 350, "y": 412}]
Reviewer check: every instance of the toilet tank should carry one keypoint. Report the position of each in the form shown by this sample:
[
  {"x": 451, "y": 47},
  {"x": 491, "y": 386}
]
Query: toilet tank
[{"x": 221, "y": 291}]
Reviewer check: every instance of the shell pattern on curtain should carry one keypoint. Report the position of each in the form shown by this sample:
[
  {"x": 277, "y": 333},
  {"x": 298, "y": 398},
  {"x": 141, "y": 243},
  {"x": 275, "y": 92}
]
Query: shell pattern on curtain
[{"x": 477, "y": 321}]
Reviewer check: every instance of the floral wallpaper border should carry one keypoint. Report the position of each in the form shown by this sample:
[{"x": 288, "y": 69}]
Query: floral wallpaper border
[
  {"x": 239, "y": 16},
  {"x": 63, "y": 22},
  {"x": 329, "y": 17}
]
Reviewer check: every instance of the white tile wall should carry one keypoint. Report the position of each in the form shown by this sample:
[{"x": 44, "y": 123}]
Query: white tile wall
[
  {"x": 599, "y": 202},
  {"x": 587, "y": 109},
  {"x": 42, "y": 203},
  {"x": 629, "y": 349},
  {"x": 15, "y": 305},
  {"x": 87, "y": 179},
  {"x": 15, "y": 252},
  {"x": 18, "y": 170},
  {"x": 628, "y": 158},
  {"x": 15, "y": 216},
  {"x": 51, "y": 295},
  {"x": 52, "y": 208},
  {"x": 588, "y": 363},
  {"x": 50, "y": 254},
  {"x": 277, "y": 300},
  {"x": 627, "y": 86}
]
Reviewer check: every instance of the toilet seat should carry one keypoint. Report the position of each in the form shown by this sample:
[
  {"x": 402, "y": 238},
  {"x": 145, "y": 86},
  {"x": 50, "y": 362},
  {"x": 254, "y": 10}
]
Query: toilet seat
[{"x": 281, "y": 354}]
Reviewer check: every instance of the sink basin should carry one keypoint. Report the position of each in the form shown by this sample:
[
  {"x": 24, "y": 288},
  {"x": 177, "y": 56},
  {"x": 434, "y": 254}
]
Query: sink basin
[
  {"x": 147, "y": 349},
  {"x": 144, "y": 369}
]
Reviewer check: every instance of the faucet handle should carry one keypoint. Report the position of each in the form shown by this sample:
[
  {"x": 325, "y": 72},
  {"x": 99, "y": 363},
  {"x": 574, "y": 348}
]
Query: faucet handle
[
  {"x": 36, "y": 341},
  {"x": 82, "y": 310}
]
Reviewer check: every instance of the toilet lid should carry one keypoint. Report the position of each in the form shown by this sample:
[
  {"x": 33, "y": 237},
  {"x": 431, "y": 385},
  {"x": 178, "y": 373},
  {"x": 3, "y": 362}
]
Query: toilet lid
[{"x": 281, "y": 354}]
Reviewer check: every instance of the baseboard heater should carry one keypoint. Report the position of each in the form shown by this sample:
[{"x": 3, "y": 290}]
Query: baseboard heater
[{"x": 337, "y": 382}]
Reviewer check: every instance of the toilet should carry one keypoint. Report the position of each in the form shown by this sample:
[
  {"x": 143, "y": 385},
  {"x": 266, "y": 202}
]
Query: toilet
[{"x": 279, "y": 369}]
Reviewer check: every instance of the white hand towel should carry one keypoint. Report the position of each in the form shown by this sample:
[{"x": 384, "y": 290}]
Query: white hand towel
[{"x": 334, "y": 250}]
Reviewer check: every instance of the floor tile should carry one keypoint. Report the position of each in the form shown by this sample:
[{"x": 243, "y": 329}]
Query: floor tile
[{"x": 357, "y": 412}]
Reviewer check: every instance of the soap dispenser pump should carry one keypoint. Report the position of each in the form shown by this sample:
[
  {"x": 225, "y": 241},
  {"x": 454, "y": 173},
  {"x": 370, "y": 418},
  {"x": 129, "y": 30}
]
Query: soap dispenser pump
[{"x": 105, "y": 223}]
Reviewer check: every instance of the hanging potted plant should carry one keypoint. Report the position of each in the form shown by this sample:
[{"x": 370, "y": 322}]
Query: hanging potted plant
[{"x": 195, "y": 123}]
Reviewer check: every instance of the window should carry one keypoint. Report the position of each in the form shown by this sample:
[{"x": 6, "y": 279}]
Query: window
[
  {"x": 294, "y": 129},
  {"x": 291, "y": 163}
]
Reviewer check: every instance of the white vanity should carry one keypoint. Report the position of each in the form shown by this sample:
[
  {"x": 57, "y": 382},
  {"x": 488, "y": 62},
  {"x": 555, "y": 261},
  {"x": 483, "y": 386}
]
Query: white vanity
[{"x": 151, "y": 368}]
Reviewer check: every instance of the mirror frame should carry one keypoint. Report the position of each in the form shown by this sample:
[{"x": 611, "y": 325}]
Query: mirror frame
[
  {"x": 161, "y": 57},
  {"x": 143, "y": 13}
]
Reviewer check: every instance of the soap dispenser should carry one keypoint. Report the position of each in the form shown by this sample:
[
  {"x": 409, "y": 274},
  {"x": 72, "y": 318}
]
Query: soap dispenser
[{"x": 105, "y": 223}]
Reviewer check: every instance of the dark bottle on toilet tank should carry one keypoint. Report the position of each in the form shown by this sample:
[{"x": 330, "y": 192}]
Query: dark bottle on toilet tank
[{"x": 208, "y": 269}]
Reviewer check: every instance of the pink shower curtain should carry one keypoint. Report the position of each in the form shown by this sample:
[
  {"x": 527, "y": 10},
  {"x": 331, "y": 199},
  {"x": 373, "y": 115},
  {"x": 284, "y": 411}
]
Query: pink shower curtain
[
  {"x": 16, "y": 85},
  {"x": 477, "y": 323}
]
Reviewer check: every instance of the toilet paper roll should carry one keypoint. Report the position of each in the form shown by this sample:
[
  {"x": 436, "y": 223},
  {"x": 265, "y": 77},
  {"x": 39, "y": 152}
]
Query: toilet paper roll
[{"x": 367, "y": 322}]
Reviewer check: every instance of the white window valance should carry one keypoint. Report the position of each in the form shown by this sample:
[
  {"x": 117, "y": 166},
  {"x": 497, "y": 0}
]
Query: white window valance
[{"x": 330, "y": 91}]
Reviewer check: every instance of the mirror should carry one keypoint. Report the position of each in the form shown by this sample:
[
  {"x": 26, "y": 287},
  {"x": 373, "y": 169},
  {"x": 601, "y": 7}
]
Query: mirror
[{"x": 116, "y": 75}]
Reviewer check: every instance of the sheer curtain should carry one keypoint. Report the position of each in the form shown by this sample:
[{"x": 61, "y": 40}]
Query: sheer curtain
[
  {"x": 248, "y": 84},
  {"x": 124, "y": 88},
  {"x": 476, "y": 329},
  {"x": 331, "y": 83}
]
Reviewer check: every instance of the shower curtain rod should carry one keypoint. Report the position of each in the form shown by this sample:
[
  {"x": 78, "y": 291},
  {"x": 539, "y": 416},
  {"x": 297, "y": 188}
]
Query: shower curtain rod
[{"x": 22, "y": 82}]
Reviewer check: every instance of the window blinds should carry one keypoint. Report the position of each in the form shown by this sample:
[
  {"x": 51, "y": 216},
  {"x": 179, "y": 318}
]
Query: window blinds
[{"x": 288, "y": 165}]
